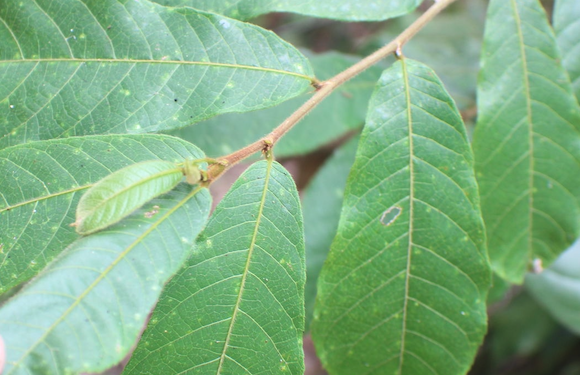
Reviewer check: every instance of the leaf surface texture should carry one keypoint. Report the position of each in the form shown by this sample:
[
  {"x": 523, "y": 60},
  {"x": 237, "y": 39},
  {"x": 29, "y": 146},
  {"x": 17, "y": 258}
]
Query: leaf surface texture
[
  {"x": 45, "y": 181},
  {"x": 238, "y": 305},
  {"x": 131, "y": 67},
  {"x": 404, "y": 287},
  {"x": 84, "y": 312},
  {"x": 526, "y": 142}
]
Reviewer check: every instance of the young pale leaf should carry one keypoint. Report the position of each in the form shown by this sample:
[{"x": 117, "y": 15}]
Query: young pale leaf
[
  {"x": 44, "y": 183},
  {"x": 343, "y": 111},
  {"x": 557, "y": 288},
  {"x": 404, "y": 287},
  {"x": 322, "y": 202},
  {"x": 526, "y": 142},
  {"x": 119, "y": 194},
  {"x": 238, "y": 305},
  {"x": 131, "y": 67},
  {"x": 567, "y": 26},
  {"x": 84, "y": 313},
  {"x": 361, "y": 10}
]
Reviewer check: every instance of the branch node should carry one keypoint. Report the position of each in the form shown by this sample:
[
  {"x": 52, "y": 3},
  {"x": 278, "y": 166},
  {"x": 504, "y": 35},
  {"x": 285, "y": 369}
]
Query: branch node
[
  {"x": 399, "y": 51},
  {"x": 317, "y": 84},
  {"x": 267, "y": 148}
]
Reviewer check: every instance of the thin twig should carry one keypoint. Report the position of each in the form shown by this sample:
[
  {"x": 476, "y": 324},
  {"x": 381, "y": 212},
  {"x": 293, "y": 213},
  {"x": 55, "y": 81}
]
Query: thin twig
[{"x": 323, "y": 90}]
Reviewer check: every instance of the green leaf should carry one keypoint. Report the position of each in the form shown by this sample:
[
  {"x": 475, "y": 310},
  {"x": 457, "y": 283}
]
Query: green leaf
[
  {"x": 567, "y": 26},
  {"x": 348, "y": 10},
  {"x": 132, "y": 67},
  {"x": 526, "y": 141},
  {"x": 44, "y": 184},
  {"x": 322, "y": 202},
  {"x": 119, "y": 194},
  {"x": 341, "y": 112},
  {"x": 237, "y": 307},
  {"x": 404, "y": 287},
  {"x": 557, "y": 288},
  {"x": 84, "y": 312}
]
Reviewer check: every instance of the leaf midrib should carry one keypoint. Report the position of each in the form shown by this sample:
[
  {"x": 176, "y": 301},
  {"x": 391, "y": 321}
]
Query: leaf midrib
[
  {"x": 162, "y": 62},
  {"x": 120, "y": 257},
  {"x": 527, "y": 94},
  {"x": 411, "y": 199},
  {"x": 48, "y": 196},
  {"x": 247, "y": 266}
]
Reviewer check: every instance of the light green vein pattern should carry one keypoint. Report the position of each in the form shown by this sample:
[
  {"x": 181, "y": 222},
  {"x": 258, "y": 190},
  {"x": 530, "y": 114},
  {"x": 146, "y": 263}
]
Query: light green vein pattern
[
  {"x": 238, "y": 305},
  {"x": 347, "y": 10},
  {"x": 526, "y": 142},
  {"x": 406, "y": 294},
  {"x": 567, "y": 26},
  {"x": 43, "y": 182},
  {"x": 85, "y": 311},
  {"x": 76, "y": 68}
]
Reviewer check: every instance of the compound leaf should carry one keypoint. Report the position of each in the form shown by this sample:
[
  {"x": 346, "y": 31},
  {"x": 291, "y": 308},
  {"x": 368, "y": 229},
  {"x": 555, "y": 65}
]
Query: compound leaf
[
  {"x": 347, "y": 10},
  {"x": 567, "y": 26},
  {"x": 85, "y": 311},
  {"x": 131, "y": 67},
  {"x": 44, "y": 183},
  {"x": 238, "y": 305},
  {"x": 404, "y": 287},
  {"x": 526, "y": 141}
]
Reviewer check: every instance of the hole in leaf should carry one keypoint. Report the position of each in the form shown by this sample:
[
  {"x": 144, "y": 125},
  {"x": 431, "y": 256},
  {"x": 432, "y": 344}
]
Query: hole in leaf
[{"x": 390, "y": 215}]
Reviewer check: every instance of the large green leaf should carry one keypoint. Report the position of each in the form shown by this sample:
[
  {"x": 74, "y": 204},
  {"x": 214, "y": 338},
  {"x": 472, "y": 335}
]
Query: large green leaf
[
  {"x": 84, "y": 312},
  {"x": 404, "y": 287},
  {"x": 130, "y": 67},
  {"x": 341, "y": 112},
  {"x": 322, "y": 202},
  {"x": 526, "y": 141},
  {"x": 348, "y": 10},
  {"x": 567, "y": 25},
  {"x": 558, "y": 288},
  {"x": 237, "y": 307},
  {"x": 43, "y": 182}
]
